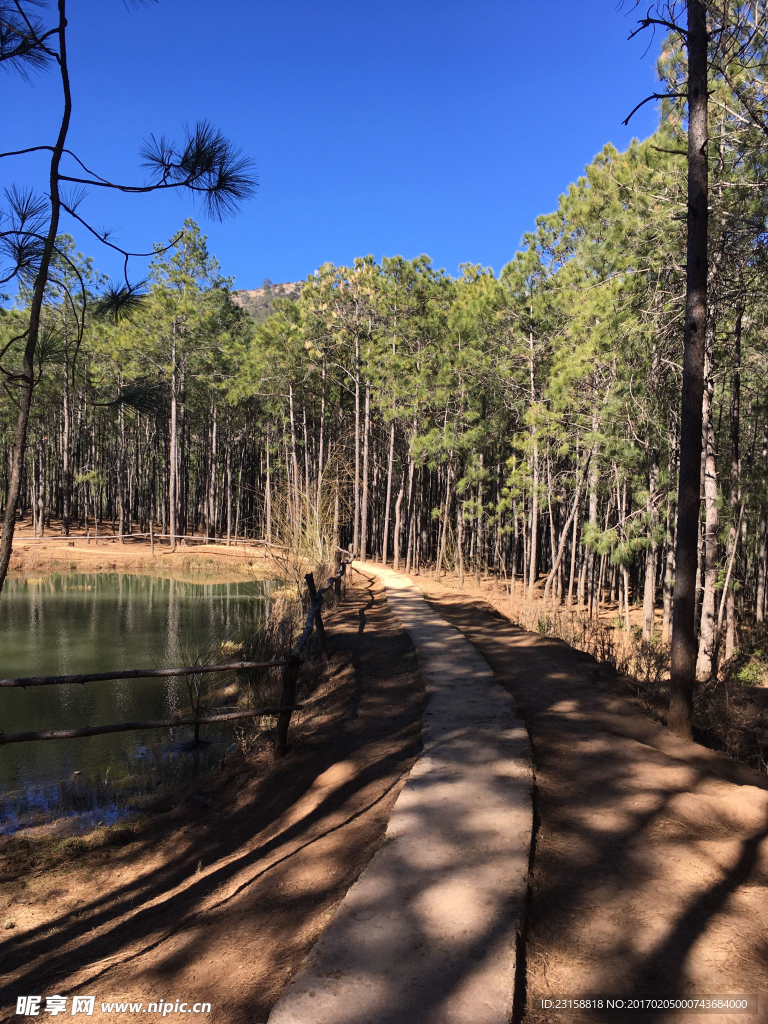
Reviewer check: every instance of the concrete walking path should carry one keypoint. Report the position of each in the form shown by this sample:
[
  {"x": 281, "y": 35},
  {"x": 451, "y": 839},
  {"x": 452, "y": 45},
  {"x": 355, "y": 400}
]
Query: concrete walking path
[{"x": 427, "y": 935}]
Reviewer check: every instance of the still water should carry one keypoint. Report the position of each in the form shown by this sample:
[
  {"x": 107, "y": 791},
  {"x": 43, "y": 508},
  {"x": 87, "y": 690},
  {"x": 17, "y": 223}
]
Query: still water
[{"x": 66, "y": 624}]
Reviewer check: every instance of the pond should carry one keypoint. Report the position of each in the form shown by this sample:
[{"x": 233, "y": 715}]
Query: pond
[{"x": 78, "y": 623}]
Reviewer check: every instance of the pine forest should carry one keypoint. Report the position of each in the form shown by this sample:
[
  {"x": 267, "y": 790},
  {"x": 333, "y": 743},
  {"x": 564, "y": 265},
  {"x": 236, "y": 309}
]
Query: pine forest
[
  {"x": 523, "y": 424},
  {"x": 386, "y": 643}
]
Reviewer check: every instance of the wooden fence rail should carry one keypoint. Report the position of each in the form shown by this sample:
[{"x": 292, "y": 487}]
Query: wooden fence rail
[
  {"x": 166, "y": 723},
  {"x": 138, "y": 673},
  {"x": 289, "y": 664},
  {"x": 75, "y": 540}
]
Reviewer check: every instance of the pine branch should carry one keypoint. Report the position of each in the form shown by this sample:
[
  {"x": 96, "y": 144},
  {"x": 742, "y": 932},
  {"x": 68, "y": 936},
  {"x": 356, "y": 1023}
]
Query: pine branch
[
  {"x": 206, "y": 164},
  {"x": 119, "y": 302},
  {"x": 22, "y": 38},
  {"x": 647, "y": 22}
]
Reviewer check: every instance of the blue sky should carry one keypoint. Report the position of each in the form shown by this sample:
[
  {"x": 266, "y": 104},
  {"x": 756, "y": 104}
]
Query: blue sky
[{"x": 377, "y": 126}]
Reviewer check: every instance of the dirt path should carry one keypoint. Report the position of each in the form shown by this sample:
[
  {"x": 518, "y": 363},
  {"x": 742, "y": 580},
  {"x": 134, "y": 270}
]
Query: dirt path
[
  {"x": 427, "y": 935},
  {"x": 220, "y": 899},
  {"x": 651, "y": 855}
]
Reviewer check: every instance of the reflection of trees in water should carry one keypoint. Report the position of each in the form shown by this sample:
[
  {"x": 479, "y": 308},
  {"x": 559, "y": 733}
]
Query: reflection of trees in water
[
  {"x": 172, "y": 619},
  {"x": 90, "y": 622}
]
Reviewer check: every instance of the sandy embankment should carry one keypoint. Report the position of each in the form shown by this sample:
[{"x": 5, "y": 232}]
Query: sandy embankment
[{"x": 191, "y": 559}]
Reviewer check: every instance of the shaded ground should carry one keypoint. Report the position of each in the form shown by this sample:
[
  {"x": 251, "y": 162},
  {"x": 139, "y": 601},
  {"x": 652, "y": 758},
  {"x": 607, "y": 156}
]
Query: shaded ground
[
  {"x": 651, "y": 855},
  {"x": 220, "y": 899}
]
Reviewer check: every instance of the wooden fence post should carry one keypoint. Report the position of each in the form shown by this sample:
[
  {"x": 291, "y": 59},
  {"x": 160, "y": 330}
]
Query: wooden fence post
[
  {"x": 310, "y": 580},
  {"x": 337, "y": 570},
  {"x": 290, "y": 677}
]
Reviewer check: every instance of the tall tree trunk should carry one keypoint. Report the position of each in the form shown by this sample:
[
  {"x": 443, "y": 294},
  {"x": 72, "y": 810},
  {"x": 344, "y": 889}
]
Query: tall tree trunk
[
  {"x": 182, "y": 466},
  {"x": 409, "y": 529},
  {"x": 410, "y": 499},
  {"x": 762, "y": 553},
  {"x": 649, "y": 590},
  {"x": 364, "y": 502},
  {"x": 730, "y": 632},
  {"x": 307, "y": 486},
  {"x": 398, "y": 524},
  {"x": 600, "y": 585},
  {"x": 572, "y": 571},
  {"x": 321, "y": 443},
  {"x": 173, "y": 456},
  {"x": 294, "y": 464},
  {"x": 590, "y": 570},
  {"x": 40, "y": 496},
  {"x": 533, "y": 553},
  {"x": 669, "y": 575},
  {"x": 683, "y": 659},
  {"x": 460, "y": 540},
  {"x": 228, "y": 470},
  {"x": 552, "y": 540},
  {"x": 268, "y": 496},
  {"x": 336, "y": 513},
  {"x": 210, "y": 512},
  {"x": 444, "y": 519},
  {"x": 515, "y": 542},
  {"x": 727, "y": 584},
  {"x": 121, "y": 470},
  {"x": 558, "y": 557},
  {"x": 388, "y": 499},
  {"x": 33, "y": 484},
  {"x": 479, "y": 545},
  {"x": 66, "y": 468},
  {"x": 708, "y": 623},
  {"x": 621, "y": 500},
  {"x": 239, "y": 493},
  {"x": 356, "y": 496},
  {"x": 27, "y": 381}
]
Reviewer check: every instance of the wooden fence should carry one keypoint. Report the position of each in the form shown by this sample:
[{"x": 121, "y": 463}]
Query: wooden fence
[{"x": 290, "y": 665}]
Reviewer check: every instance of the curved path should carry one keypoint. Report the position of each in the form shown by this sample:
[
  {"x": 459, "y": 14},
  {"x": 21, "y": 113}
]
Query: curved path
[{"x": 427, "y": 935}]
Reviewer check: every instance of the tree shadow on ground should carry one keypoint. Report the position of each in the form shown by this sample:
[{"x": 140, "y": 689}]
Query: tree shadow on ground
[
  {"x": 278, "y": 855},
  {"x": 650, "y": 870}
]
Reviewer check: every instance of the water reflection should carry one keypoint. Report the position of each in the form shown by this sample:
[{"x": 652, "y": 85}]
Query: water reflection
[{"x": 66, "y": 624}]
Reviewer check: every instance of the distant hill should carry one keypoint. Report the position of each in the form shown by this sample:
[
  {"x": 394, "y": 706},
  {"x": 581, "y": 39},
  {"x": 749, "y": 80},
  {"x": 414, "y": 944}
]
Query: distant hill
[{"x": 258, "y": 302}]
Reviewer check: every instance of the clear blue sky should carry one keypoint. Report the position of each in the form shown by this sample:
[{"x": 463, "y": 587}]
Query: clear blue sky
[{"x": 377, "y": 126}]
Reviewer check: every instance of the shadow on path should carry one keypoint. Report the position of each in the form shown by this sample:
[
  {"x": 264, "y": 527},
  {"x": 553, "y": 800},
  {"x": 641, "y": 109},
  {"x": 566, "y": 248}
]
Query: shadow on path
[{"x": 650, "y": 870}]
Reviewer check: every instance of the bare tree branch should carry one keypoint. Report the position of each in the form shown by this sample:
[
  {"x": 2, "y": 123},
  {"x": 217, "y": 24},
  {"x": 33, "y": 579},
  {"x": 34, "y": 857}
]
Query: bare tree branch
[{"x": 654, "y": 96}]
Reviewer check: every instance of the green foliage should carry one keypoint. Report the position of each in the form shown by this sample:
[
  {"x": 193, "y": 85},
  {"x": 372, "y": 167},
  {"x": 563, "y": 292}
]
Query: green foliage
[{"x": 755, "y": 671}]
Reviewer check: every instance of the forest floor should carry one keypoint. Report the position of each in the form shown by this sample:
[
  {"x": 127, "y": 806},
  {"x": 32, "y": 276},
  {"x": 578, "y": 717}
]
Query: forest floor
[
  {"x": 192, "y": 560},
  {"x": 650, "y": 861},
  {"x": 219, "y": 896}
]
